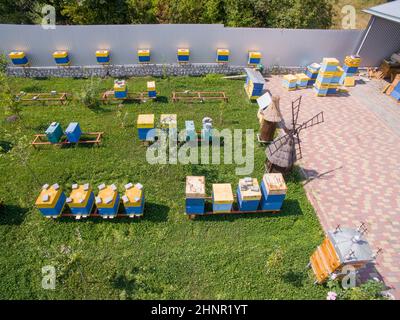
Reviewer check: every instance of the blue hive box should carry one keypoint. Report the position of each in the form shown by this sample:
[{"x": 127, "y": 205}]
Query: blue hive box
[
  {"x": 248, "y": 194},
  {"x": 73, "y": 132},
  {"x": 222, "y": 197},
  {"x": 51, "y": 201},
  {"x": 195, "y": 194},
  {"x": 81, "y": 200},
  {"x": 190, "y": 131},
  {"x": 54, "y": 132},
  {"x": 395, "y": 94},
  {"x": 133, "y": 200},
  {"x": 273, "y": 192},
  {"x": 348, "y": 69},
  {"x": 107, "y": 201}
]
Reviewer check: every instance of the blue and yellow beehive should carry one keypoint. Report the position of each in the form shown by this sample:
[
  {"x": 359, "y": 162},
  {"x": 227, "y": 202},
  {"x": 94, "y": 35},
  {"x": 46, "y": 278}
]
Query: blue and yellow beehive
[
  {"x": 18, "y": 58},
  {"x": 302, "y": 80},
  {"x": 254, "y": 58},
  {"x": 54, "y": 132},
  {"x": 222, "y": 55},
  {"x": 312, "y": 73},
  {"x": 207, "y": 133},
  {"x": 143, "y": 55},
  {"x": 254, "y": 85},
  {"x": 61, "y": 58},
  {"x": 103, "y": 56},
  {"x": 145, "y": 125},
  {"x": 289, "y": 82},
  {"x": 222, "y": 197},
  {"x": 81, "y": 200},
  {"x": 133, "y": 200},
  {"x": 51, "y": 201},
  {"x": 329, "y": 65},
  {"x": 190, "y": 131},
  {"x": 73, "y": 132},
  {"x": 183, "y": 55},
  {"x": 151, "y": 89},
  {"x": 195, "y": 194},
  {"x": 248, "y": 194},
  {"x": 107, "y": 201},
  {"x": 350, "y": 68},
  {"x": 273, "y": 191},
  {"x": 325, "y": 83},
  {"x": 120, "y": 89}
]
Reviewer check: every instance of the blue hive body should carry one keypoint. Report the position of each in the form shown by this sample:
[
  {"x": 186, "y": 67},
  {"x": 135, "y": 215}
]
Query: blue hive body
[
  {"x": 146, "y": 134},
  {"x": 57, "y": 209},
  {"x": 246, "y": 205},
  {"x": 84, "y": 210},
  {"x": 120, "y": 94},
  {"x": 73, "y": 132},
  {"x": 136, "y": 210},
  {"x": 195, "y": 205},
  {"x": 110, "y": 211},
  {"x": 103, "y": 59},
  {"x": 144, "y": 58},
  {"x": 54, "y": 132},
  {"x": 195, "y": 194},
  {"x": 272, "y": 200}
]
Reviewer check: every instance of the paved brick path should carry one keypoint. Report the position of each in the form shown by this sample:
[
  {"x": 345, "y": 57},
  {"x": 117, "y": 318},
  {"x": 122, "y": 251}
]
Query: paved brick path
[{"x": 353, "y": 165}]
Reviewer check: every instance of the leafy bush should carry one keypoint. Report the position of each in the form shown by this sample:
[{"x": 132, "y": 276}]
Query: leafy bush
[
  {"x": 370, "y": 290},
  {"x": 89, "y": 95}
]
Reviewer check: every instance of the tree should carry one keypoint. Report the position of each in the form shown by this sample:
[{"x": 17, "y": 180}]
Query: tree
[{"x": 8, "y": 101}]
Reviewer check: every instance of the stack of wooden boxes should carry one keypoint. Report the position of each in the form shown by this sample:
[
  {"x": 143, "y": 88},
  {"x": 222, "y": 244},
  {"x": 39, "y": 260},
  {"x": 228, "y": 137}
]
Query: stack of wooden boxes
[
  {"x": 312, "y": 73},
  {"x": 54, "y": 132},
  {"x": 350, "y": 68},
  {"x": 302, "y": 80},
  {"x": 81, "y": 200},
  {"x": 151, "y": 89},
  {"x": 183, "y": 55},
  {"x": 289, "y": 82},
  {"x": 325, "y": 83},
  {"x": 61, "y": 58},
  {"x": 18, "y": 58},
  {"x": 254, "y": 58},
  {"x": 103, "y": 56},
  {"x": 222, "y": 55},
  {"x": 143, "y": 55},
  {"x": 73, "y": 132},
  {"x": 254, "y": 85},
  {"x": 195, "y": 194},
  {"x": 146, "y": 127},
  {"x": 222, "y": 197},
  {"x": 51, "y": 201},
  {"x": 273, "y": 192},
  {"x": 107, "y": 201},
  {"x": 248, "y": 194},
  {"x": 120, "y": 89},
  {"x": 133, "y": 200}
]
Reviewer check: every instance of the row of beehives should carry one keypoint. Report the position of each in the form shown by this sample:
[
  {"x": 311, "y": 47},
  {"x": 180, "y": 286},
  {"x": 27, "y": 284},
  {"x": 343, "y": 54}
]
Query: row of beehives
[
  {"x": 62, "y": 58},
  {"x": 146, "y": 127},
  {"x": 82, "y": 201},
  {"x": 121, "y": 89},
  {"x": 326, "y": 77},
  {"x": 251, "y": 196},
  {"x": 54, "y": 132}
]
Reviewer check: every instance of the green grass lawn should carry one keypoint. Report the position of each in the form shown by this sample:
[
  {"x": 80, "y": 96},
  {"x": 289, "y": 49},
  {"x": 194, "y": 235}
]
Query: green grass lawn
[{"x": 164, "y": 255}]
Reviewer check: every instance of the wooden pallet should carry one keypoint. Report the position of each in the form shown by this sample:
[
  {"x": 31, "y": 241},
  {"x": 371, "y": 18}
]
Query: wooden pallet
[
  {"x": 30, "y": 97},
  {"x": 199, "y": 96},
  {"x": 41, "y": 140},
  {"x": 108, "y": 97}
]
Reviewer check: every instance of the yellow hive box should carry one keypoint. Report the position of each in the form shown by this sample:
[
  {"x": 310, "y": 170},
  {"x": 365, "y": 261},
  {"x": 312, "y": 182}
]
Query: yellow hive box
[
  {"x": 195, "y": 187},
  {"x": 302, "y": 77},
  {"x": 102, "y": 53},
  {"x": 349, "y": 82},
  {"x": 143, "y": 52},
  {"x": 274, "y": 183},
  {"x": 60, "y": 54},
  {"x": 183, "y": 52},
  {"x": 327, "y": 74},
  {"x": 80, "y": 195},
  {"x": 145, "y": 121},
  {"x": 254, "y": 54},
  {"x": 339, "y": 72},
  {"x": 168, "y": 121},
  {"x": 134, "y": 196},
  {"x": 223, "y": 52},
  {"x": 352, "y": 61},
  {"x": 151, "y": 85},
  {"x": 330, "y": 61},
  {"x": 321, "y": 85},
  {"x": 290, "y": 78},
  {"x": 108, "y": 196},
  {"x": 49, "y": 196},
  {"x": 250, "y": 194},
  {"x": 119, "y": 85},
  {"x": 222, "y": 193},
  {"x": 17, "y": 55}
]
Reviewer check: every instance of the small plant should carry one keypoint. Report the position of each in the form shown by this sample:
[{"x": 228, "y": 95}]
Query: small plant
[
  {"x": 11, "y": 105},
  {"x": 89, "y": 95},
  {"x": 3, "y": 63},
  {"x": 370, "y": 290}
]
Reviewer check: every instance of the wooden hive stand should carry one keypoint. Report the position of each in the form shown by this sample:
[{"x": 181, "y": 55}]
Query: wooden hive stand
[
  {"x": 108, "y": 97},
  {"x": 93, "y": 138},
  {"x": 43, "y": 98},
  {"x": 199, "y": 96}
]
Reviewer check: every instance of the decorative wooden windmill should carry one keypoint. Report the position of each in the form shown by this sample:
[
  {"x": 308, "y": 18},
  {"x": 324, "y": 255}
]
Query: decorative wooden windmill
[{"x": 285, "y": 150}]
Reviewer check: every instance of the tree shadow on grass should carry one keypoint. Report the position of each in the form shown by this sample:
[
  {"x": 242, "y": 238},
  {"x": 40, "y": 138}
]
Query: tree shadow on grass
[
  {"x": 161, "y": 99},
  {"x": 12, "y": 215},
  {"x": 295, "y": 278}
]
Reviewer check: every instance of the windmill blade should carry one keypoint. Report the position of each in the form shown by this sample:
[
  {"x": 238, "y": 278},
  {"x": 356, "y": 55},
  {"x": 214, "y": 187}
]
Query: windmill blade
[
  {"x": 276, "y": 144},
  {"x": 295, "y": 111},
  {"x": 297, "y": 148},
  {"x": 317, "y": 119}
]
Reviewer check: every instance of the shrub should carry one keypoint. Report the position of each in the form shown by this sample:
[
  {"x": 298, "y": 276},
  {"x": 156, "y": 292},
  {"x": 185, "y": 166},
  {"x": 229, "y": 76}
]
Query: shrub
[{"x": 89, "y": 95}]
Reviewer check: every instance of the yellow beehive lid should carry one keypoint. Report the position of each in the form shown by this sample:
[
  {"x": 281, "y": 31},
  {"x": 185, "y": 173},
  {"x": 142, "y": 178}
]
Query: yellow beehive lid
[
  {"x": 274, "y": 183},
  {"x": 143, "y": 52},
  {"x": 102, "y": 53},
  {"x": 195, "y": 186},
  {"x": 16, "y": 54},
  {"x": 349, "y": 82},
  {"x": 49, "y": 196},
  {"x": 339, "y": 71},
  {"x": 330, "y": 61},
  {"x": 290, "y": 78},
  {"x": 222, "y": 193},
  {"x": 119, "y": 85},
  {"x": 254, "y": 54},
  {"x": 133, "y": 195},
  {"x": 327, "y": 74},
  {"x": 151, "y": 85},
  {"x": 60, "y": 54},
  {"x": 168, "y": 121},
  {"x": 183, "y": 52},
  {"x": 302, "y": 77},
  {"x": 79, "y": 195},
  {"x": 249, "y": 189},
  {"x": 107, "y": 196},
  {"x": 145, "y": 121},
  {"x": 223, "y": 52}
]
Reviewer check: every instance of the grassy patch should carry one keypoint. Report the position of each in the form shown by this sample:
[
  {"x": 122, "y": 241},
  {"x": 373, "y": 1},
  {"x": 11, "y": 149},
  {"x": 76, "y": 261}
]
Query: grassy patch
[{"x": 164, "y": 255}]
